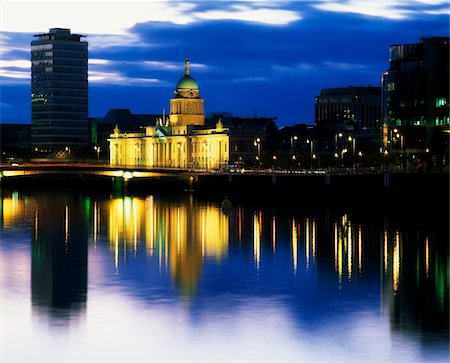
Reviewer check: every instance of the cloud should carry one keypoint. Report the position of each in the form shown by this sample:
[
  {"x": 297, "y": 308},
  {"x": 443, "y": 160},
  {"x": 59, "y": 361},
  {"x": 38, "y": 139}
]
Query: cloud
[
  {"x": 108, "y": 78},
  {"x": 120, "y": 16},
  {"x": 386, "y": 9},
  {"x": 391, "y": 10},
  {"x": 99, "y": 61},
  {"x": 92, "y": 17},
  {"x": 106, "y": 41},
  {"x": 343, "y": 66},
  {"x": 251, "y": 79},
  {"x": 15, "y": 63},
  {"x": 14, "y": 71},
  {"x": 9, "y": 45},
  {"x": 263, "y": 15},
  {"x": 15, "y": 75}
]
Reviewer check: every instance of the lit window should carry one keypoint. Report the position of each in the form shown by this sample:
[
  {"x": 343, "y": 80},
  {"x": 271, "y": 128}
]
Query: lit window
[{"x": 441, "y": 102}]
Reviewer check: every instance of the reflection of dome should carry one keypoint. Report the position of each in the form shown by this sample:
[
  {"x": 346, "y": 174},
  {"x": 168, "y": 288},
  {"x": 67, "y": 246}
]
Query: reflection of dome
[{"x": 187, "y": 82}]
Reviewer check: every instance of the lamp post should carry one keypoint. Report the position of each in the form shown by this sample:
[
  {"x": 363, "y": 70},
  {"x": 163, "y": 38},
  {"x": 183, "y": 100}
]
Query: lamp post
[
  {"x": 311, "y": 144},
  {"x": 293, "y": 139},
  {"x": 353, "y": 142},
  {"x": 257, "y": 144},
  {"x": 97, "y": 149},
  {"x": 336, "y": 135}
]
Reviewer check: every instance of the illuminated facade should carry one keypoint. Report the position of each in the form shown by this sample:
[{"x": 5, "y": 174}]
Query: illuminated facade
[{"x": 179, "y": 141}]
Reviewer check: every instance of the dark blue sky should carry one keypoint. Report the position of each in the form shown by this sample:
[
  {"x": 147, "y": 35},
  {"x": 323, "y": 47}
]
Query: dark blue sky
[{"x": 269, "y": 58}]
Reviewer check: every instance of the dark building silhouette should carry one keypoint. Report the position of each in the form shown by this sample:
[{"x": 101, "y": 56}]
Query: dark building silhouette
[
  {"x": 416, "y": 103},
  {"x": 347, "y": 123},
  {"x": 59, "y": 91},
  {"x": 349, "y": 107},
  {"x": 102, "y": 127},
  {"x": 416, "y": 86},
  {"x": 253, "y": 139}
]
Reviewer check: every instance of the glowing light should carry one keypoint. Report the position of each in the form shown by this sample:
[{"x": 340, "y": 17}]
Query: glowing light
[
  {"x": 178, "y": 231},
  {"x": 150, "y": 229},
  {"x": 274, "y": 234},
  {"x": 203, "y": 232},
  {"x": 36, "y": 225},
  {"x": 335, "y": 246},
  {"x": 294, "y": 245},
  {"x": 349, "y": 251},
  {"x": 66, "y": 228},
  {"x": 359, "y": 249},
  {"x": 127, "y": 175},
  {"x": 12, "y": 209},
  {"x": 396, "y": 262},
  {"x": 385, "y": 252},
  {"x": 307, "y": 243},
  {"x": 95, "y": 225},
  {"x": 135, "y": 234},
  {"x": 314, "y": 238},
  {"x": 256, "y": 239},
  {"x": 340, "y": 262},
  {"x": 427, "y": 256}
]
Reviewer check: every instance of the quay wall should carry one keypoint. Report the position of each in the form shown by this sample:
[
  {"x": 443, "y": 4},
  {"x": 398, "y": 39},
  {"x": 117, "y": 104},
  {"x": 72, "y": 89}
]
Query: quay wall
[{"x": 427, "y": 188}]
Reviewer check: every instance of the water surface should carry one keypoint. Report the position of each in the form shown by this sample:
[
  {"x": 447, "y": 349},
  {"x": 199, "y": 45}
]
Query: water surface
[{"x": 158, "y": 278}]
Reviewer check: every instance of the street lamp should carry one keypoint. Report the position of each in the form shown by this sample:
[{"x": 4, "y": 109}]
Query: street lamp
[
  {"x": 257, "y": 145},
  {"x": 97, "y": 149},
  {"x": 336, "y": 135},
  {"x": 311, "y": 144},
  {"x": 353, "y": 142},
  {"x": 293, "y": 139}
]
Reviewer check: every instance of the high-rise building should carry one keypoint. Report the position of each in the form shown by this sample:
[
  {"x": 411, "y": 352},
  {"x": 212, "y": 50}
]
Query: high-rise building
[
  {"x": 349, "y": 107},
  {"x": 416, "y": 86},
  {"x": 59, "y": 91}
]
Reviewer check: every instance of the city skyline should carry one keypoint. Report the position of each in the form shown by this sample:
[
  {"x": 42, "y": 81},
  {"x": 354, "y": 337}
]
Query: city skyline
[{"x": 249, "y": 58}]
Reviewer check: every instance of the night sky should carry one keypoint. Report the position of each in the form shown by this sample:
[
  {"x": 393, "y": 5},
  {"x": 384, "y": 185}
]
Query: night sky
[{"x": 268, "y": 58}]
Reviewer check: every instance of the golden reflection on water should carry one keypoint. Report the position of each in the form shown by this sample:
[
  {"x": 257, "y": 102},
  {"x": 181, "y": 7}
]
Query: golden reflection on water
[
  {"x": 182, "y": 234},
  {"x": 307, "y": 243},
  {"x": 347, "y": 247},
  {"x": 274, "y": 234},
  {"x": 257, "y": 238},
  {"x": 12, "y": 208},
  {"x": 294, "y": 245},
  {"x": 396, "y": 262}
]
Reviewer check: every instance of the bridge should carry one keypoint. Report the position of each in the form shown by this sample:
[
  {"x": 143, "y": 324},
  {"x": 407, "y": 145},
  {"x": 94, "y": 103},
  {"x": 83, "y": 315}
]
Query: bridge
[{"x": 261, "y": 182}]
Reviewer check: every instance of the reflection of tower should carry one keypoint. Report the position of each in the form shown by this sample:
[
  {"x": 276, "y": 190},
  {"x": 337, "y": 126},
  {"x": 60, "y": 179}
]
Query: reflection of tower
[
  {"x": 59, "y": 258},
  {"x": 185, "y": 250},
  {"x": 182, "y": 234},
  {"x": 186, "y": 107}
]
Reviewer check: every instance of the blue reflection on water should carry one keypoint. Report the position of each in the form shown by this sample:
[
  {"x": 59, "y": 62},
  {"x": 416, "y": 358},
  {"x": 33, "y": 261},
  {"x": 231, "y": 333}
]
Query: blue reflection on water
[{"x": 152, "y": 278}]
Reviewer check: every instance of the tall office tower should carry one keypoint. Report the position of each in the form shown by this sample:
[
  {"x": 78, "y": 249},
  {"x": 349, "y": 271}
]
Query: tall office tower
[
  {"x": 355, "y": 107},
  {"x": 416, "y": 86},
  {"x": 59, "y": 91}
]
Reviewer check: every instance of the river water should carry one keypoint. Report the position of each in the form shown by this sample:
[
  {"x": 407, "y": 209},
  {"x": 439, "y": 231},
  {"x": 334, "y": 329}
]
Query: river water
[{"x": 86, "y": 277}]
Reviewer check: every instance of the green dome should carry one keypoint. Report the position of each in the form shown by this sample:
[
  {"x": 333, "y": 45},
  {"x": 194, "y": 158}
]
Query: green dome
[{"x": 187, "y": 82}]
